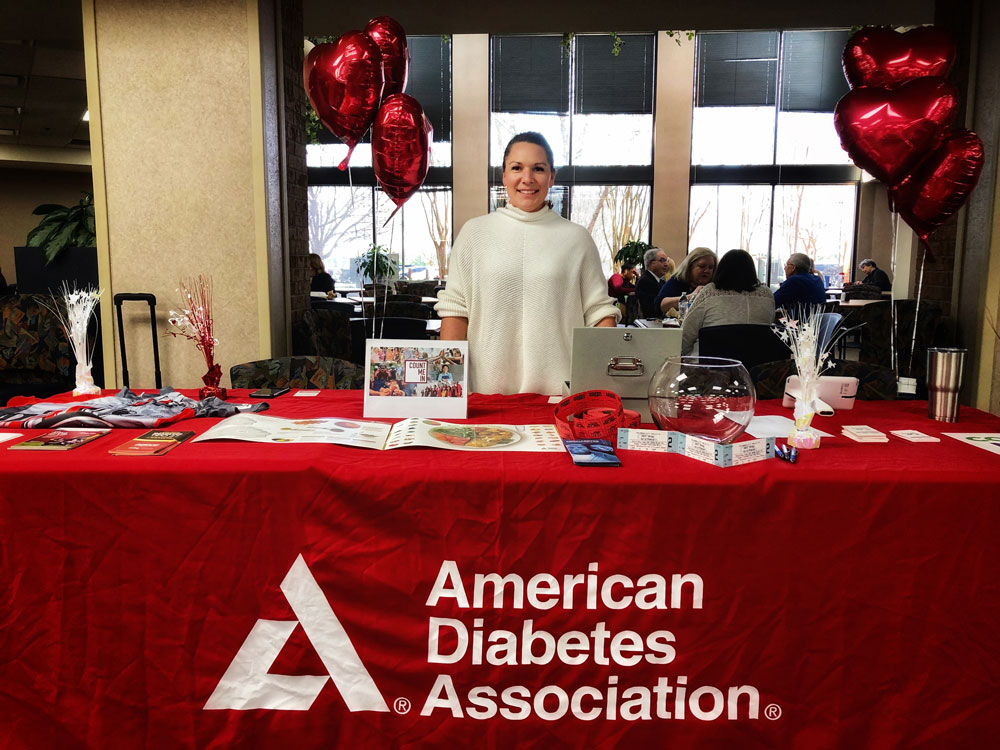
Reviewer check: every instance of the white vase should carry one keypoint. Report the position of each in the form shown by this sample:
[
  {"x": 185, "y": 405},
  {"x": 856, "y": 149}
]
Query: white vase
[{"x": 84, "y": 381}]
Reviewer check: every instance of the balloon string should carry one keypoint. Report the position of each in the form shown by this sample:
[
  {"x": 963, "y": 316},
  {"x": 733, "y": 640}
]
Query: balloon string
[
  {"x": 916, "y": 312},
  {"x": 893, "y": 356}
]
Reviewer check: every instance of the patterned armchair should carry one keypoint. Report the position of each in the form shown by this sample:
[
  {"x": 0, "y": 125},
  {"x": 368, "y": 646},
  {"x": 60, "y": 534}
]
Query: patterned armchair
[
  {"x": 35, "y": 356},
  {"x": 298, "y": 372}
]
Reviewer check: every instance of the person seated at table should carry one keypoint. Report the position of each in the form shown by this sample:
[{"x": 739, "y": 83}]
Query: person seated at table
[
  {"x": 656, "y": 268},
  {"x": 874, "y": 275},
  {"x": 321, "y": 280},
  {"x": 801, "y": 286},
  {"x": 696, "y": 270},
  {"x": 621, "y": 285},
  {"x": 520, "y": 280},
  {"x": 735, "y": 296}
]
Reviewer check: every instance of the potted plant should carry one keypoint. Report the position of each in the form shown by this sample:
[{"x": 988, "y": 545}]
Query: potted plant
[
  {"x": 376, "y": 264},
  {"x": 44, "y": 263},
  {"x": 631, "y": 252}
]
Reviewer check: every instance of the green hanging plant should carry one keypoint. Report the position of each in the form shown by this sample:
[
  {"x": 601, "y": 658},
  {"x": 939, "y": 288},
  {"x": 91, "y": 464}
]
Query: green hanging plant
[
  {"x": 566, "y": 43},
  {"x": 616, "y": 43},
  {"x": 64, "y": 226},
  {"x": 676, "y": 35}
]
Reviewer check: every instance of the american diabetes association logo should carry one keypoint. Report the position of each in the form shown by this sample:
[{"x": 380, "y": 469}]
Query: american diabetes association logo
[{"x": 248, "y": 683}]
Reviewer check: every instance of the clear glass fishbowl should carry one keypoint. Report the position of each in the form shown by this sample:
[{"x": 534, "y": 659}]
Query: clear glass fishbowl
[{"x": 708, "y": 397}]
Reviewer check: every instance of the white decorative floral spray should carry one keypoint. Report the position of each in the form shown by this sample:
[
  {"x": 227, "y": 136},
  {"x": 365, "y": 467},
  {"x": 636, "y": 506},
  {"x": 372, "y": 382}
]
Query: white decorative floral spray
[
  {"x": 810, "y": 339},
  {"x": 73, "y": 311}
]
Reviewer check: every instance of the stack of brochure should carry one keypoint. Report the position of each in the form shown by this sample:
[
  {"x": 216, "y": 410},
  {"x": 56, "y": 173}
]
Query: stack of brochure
[{"x": 864, "y": 434}]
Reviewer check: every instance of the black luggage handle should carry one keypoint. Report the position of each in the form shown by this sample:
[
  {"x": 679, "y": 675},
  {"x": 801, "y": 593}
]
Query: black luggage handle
[{"x": 151, "y": 300}]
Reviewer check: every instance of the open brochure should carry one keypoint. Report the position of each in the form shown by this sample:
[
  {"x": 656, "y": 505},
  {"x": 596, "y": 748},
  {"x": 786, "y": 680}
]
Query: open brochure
[{"x": 415, "y": 431}]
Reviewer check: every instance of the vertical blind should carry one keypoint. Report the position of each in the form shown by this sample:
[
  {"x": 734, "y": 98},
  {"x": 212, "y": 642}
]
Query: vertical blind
[
  {"x": 429, "y": 81},
  {"x": 737, "y": 69},
  {"x": 812, "y": 74},
  {"x": 610, "y": 84},
  {"x": 530, "y": 75}
]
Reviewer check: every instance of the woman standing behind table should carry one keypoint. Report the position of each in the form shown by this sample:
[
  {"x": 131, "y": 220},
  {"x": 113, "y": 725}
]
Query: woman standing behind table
[
  {"x": 696, "y": 270},
  {"x": 734, "y": 297},
  {"x": 321, "y": 280},
  {"x": 520, "y": 280}
]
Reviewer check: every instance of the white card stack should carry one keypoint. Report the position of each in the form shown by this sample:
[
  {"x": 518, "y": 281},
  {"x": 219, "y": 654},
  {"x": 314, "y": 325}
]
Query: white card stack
[
  {"x": 864, "y": 434},
  {"x": 915, "y": 436}
]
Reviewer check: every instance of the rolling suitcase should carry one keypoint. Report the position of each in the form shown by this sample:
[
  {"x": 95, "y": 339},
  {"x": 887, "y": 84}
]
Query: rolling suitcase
[{"x": 151, "y": 300}]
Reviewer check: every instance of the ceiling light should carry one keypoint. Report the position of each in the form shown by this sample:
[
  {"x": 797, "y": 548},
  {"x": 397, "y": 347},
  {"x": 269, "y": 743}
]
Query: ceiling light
[{"x": 86, "y": 116}]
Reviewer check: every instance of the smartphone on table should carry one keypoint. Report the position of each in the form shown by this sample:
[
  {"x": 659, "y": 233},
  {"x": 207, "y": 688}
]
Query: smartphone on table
[{"x": 268, "y": 392}]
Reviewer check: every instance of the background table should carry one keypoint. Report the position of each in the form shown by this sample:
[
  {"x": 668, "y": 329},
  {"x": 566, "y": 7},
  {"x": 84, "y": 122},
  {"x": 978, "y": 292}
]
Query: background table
[{"x": 856, "y": 590}]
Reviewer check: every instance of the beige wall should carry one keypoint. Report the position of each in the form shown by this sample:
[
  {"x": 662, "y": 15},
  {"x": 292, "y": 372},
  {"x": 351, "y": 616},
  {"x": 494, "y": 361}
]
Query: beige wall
[
  {"x": 171, "y": 88},
  {"x": 672, "y": 145},
  {"x": 470, "y": 126},
  {"x": 21, "y": 190}
]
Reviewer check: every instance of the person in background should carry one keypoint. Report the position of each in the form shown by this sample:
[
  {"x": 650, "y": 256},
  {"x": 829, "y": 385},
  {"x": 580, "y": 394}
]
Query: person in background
[
  {"x": 321, "y": 280},
  {"x": 621, "y": 285},
  {"x": 696, "y": 270},
  {"x": 801, "y": 286},
  {"x": 520, "y": 280},
  {"x": 875, "y": 275},
  {"x": 656, "y": 267},
  {"x": 735, "y": 296}
]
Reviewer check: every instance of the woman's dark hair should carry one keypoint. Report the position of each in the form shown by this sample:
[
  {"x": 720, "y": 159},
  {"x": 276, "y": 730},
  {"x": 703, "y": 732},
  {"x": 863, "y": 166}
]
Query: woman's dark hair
[
  {"x": 531, "y": 136},
  {"x": 628, "y": 265},
  {"x": 736, "y": 272}
]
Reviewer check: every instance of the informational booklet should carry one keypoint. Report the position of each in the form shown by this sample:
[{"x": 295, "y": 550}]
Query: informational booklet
[
  {"x": 415, "y": 431},
  {"x": 989, "y": 441},
  {"x": 152, "y": 443},
  {"x": 405, "y": 378},
  {"x": 592, "y": 452},
  {"x": 59, "y": 440}
]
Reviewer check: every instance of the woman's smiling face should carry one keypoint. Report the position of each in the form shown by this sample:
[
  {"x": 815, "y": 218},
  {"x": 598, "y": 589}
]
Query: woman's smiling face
[{"x": 527, "y": 175}]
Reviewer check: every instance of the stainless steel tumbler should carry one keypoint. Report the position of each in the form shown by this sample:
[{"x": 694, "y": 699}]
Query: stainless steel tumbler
[{"x": 944, "y": 381}]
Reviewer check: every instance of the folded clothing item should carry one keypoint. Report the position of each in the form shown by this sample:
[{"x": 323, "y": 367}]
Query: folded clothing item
[{"x": 125, "y": 409}]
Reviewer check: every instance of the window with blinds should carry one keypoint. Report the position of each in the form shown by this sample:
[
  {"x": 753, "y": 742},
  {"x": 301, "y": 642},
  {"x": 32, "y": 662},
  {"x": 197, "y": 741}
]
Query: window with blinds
[
  {"x": 768, "y": 174},
  {"x": 595, "y": 108}
]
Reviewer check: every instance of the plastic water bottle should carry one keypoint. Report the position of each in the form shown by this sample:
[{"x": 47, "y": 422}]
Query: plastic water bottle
[{"x": 682, "y": 306}]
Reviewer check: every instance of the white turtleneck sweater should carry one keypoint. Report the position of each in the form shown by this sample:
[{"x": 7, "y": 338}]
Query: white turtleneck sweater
[{"x": 524, "y": 281}]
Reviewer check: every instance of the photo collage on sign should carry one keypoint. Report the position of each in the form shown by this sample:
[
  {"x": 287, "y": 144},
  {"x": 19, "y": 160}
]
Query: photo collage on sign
[{"x": 416, "y": 371}]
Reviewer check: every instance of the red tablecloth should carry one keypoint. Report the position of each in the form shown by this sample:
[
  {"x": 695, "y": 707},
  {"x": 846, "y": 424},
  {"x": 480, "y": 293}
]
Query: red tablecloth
[{"x": 847, "y": 601}]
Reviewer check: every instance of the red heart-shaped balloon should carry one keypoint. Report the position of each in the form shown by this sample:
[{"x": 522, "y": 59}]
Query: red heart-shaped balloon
[
  {"x": 401, "y": 140},
  {"x": 888, "y": 131},
  {"x": 344, "y": 84},
  {"x": 386, "y": 32},
  {"x": 883, "y": 57},
  {"x": 942, "y": 184}
]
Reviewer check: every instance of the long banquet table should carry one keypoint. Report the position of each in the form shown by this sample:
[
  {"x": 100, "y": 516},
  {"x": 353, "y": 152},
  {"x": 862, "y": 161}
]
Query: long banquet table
[{"x": 240, "y": 595}]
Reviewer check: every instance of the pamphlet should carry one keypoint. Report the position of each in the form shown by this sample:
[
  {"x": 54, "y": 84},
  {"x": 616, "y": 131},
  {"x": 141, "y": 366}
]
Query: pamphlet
[
  {"x": 415, "y": 431},
  {"x": 592, "y": 452},
  {"x": 989, "y": 441},
  {"x": 59, "y": 440},
  {"x": 152, "y": 443}
]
